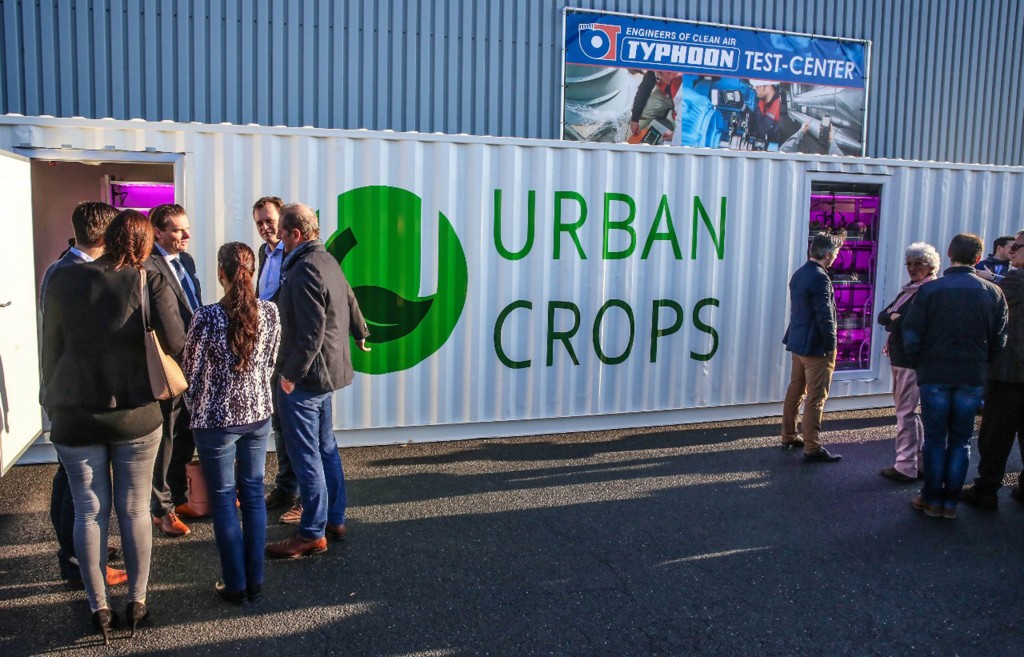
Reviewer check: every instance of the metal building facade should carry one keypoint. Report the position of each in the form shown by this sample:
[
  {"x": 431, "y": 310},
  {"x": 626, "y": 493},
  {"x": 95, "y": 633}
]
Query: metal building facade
[{"x": 945, "y": 74}]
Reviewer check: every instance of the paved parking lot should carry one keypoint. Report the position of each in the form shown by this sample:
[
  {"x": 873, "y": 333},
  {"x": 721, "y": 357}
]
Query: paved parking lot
[{"x": 690, "y": 540}]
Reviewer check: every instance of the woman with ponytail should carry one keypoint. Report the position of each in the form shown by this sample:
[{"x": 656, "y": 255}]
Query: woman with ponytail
[{"x": 228, "y": 360}]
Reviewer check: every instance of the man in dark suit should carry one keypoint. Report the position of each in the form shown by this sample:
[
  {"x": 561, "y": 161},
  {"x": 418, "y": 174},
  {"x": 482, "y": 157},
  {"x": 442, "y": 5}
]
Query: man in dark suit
[
  {"x": 318, "y": 314},
  {"x": 90, "y": 221},
  {"x": 171, "y": 233},
  {"x": 266, "y": 213},
  {"x": 811, "y": 338}
]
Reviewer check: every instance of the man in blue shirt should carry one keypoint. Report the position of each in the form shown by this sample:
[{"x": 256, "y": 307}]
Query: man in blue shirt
[{"x": 266, "y": 213}]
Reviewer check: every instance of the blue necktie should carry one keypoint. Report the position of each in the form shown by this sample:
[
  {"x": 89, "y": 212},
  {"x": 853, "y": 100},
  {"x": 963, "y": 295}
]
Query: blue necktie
[{"x": 185, "y": 284}]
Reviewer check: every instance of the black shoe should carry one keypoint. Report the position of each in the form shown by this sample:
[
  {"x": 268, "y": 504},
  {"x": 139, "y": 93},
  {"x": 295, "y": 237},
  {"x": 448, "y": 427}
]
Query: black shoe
[
  {"x": 135, "y": 613},
  {"x": 278, "y": 497},
  {"x": 791, "y": 444},
  {"x": 1017, "y": 494},
  {"x": 821, "y": 456},
  {"x": 896, "y": 475},
  {"x": 234, "y": 597},
  {"x": 971, "y": 495},
  {"x": 254, "y": 591},
  {"x": 103, "y": 620}
]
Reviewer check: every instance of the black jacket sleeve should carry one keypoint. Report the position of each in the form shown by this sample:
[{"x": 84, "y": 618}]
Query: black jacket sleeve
[
  {"x": 308, "y": 308},
  {"x": 643, "y": 92},
  {"x": 163, "y": 314}
]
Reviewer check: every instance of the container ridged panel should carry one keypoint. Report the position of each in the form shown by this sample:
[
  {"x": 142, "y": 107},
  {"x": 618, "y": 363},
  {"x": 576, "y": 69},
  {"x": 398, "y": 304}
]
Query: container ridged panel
[
  {"x": 464, "y": 382},
  {"x": 945, "y": 82}
]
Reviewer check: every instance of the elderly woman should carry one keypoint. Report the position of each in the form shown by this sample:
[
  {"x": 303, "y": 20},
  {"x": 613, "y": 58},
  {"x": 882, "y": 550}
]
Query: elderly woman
[
  {"x": 922, "y": 262},
  {"x": 106, "y": 423}
]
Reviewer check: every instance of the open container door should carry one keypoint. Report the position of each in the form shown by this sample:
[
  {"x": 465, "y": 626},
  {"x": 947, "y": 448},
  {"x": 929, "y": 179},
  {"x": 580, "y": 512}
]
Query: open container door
[{"x": 20, "y": 416}]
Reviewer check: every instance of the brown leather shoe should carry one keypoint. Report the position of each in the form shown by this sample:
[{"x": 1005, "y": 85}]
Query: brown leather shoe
[
  {"x": 115, "y": 576},
  {"x": 170, "y": 525},
  {"x": 296, "y": 546},
  {"x": 336, "y": 532},
  {"x": 292, "y": 516},
  {"x": 187, "y": 511}
]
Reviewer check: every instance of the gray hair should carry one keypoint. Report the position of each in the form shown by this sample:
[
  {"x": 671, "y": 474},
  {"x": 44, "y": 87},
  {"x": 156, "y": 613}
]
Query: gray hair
[
  {"x": 302, "y": 217},
  {"x": 926, "y": 253},
  {"x": 824, "y": 244}
]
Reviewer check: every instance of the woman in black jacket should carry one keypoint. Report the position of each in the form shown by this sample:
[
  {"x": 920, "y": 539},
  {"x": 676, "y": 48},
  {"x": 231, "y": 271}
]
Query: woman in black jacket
[{"x": 106, "y": 424}]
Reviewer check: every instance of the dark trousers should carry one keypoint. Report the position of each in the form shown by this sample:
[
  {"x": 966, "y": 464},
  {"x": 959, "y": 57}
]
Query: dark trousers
[
  {"x": 285, "y": 479},
  {"x": 62, "y": 515},
  {"x": 177, "y": 447},
  {"x": 1002, "y": 421}
]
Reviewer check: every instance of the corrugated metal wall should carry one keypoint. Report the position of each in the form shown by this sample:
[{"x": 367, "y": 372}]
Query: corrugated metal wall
[
  {"x": 945, "y": 77},
  {"x": 464, "y": 381}
]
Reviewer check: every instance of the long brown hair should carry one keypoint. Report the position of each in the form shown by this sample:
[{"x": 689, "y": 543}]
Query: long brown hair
[
  {"x": 238, "y": 263},
  {"x": 129, "y": 239}
]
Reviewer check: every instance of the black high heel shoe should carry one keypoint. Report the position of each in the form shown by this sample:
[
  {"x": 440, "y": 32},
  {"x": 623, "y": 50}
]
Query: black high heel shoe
[
  {"x": 135, "y": 614},
  {"x": 103, "y": 620}
]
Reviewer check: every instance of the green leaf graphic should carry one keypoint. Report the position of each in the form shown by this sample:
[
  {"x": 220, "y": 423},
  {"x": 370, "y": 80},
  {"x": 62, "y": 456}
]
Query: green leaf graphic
[
  {"x": 378, "y": 244},
  {"x": 390, "y": 316}
]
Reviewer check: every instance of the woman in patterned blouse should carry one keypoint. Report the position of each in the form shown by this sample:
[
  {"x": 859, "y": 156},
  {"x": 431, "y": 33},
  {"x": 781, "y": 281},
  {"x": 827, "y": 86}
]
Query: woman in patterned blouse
[{"x": 229, "y": 360}]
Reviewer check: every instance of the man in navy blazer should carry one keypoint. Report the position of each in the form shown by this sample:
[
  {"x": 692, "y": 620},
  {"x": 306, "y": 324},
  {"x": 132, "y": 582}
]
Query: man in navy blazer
[
  {"x": 171, "y": 231},
  {"x": 811, "y": 337},
  {"x": 90, "y": 221}
]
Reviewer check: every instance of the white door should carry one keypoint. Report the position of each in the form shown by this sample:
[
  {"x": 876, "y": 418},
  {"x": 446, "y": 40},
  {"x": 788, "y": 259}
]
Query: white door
[{"x": 20, "y": 416}]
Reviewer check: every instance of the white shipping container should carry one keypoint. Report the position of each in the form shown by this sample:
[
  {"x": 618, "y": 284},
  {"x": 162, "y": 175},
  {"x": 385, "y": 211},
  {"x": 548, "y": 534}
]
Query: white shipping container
[{"x": 548, "y": 277}]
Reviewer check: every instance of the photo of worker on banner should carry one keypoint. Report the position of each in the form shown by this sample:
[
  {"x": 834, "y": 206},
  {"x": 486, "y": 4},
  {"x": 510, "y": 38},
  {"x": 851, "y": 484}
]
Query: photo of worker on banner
[{"x": 711, "y": 86}]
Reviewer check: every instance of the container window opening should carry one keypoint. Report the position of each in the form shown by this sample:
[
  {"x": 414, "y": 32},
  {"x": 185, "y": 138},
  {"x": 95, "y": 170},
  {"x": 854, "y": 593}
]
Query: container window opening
[{"x": 852, "y": 212}]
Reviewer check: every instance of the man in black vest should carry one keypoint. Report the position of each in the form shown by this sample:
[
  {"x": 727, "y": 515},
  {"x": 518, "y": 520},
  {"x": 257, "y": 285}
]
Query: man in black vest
[{"x": 171, "y": 232}]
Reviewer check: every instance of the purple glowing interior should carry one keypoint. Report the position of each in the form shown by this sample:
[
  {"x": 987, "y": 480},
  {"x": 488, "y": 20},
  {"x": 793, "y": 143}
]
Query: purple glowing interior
[
  {"x": 853, "y": 273},
  {"x": 141, "y": 196}
]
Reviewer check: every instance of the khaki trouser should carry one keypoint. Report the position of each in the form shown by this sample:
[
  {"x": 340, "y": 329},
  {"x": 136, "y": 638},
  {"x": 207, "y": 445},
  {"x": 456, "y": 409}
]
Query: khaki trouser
[{"x": 811, "y": 376}]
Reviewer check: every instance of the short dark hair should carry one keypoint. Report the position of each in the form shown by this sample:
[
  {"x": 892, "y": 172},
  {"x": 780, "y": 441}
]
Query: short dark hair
[
  {"x": 90, "y": 220},
  {"x": 302, "y": 217},
  {"x": 966, "y": 249},
  {"x": 1001, "y": 242},
  {"x": 823, "y": 244},
  {"x": 268, "y": 200},
  {"x": 161, "y": 214}
]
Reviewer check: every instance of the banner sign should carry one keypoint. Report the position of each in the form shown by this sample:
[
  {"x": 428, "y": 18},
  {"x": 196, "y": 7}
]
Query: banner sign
[{"x": 660, "y": 81}]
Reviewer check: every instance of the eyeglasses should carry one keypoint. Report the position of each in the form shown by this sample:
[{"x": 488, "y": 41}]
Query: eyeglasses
[
  {"x": 916, "y": 263},
  {"x": 1016, "y": 247}
]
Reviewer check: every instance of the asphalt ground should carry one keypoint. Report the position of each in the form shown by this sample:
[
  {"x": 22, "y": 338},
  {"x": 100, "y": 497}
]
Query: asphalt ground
[{"x": 689, "y": 540}]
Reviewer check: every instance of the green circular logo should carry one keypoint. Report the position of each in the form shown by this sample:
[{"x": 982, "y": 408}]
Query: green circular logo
[{"x": 378, "y": 245}]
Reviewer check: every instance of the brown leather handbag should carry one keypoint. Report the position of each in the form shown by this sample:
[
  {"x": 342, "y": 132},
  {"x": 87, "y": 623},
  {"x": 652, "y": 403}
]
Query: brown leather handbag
[{"x": 165, "y": 376}]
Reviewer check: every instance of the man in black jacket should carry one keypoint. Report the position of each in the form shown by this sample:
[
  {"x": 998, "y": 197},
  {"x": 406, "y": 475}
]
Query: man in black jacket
[
  {"x": 318, "y": 313},
  {"x": 954, "y": 328},
  {"x": 1003, "y": 419},
  {"x": 811, "y": 337},
  {"x": 170, "y": 258},
  {"x": 89, "y": 220}
]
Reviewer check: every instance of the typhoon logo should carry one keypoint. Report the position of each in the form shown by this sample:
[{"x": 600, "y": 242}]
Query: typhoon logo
[
  {"x": 599, "y": 41},
  {"x": 378, "y": 244}
]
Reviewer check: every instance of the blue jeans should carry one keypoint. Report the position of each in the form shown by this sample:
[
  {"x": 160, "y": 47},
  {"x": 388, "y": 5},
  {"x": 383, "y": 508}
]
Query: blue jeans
[
  {"x": 285, "y": 479},
  {"x": 307, "y": 422},
  {"x": 89, "y": 469},
  {"x": 233, "y": 462},
  {"x": 947, "y": 412}
]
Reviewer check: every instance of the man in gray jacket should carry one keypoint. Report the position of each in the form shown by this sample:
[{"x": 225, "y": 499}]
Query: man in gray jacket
[
  {"x": 811, "y": 337},
  {"x": 318, "y": 313}
]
